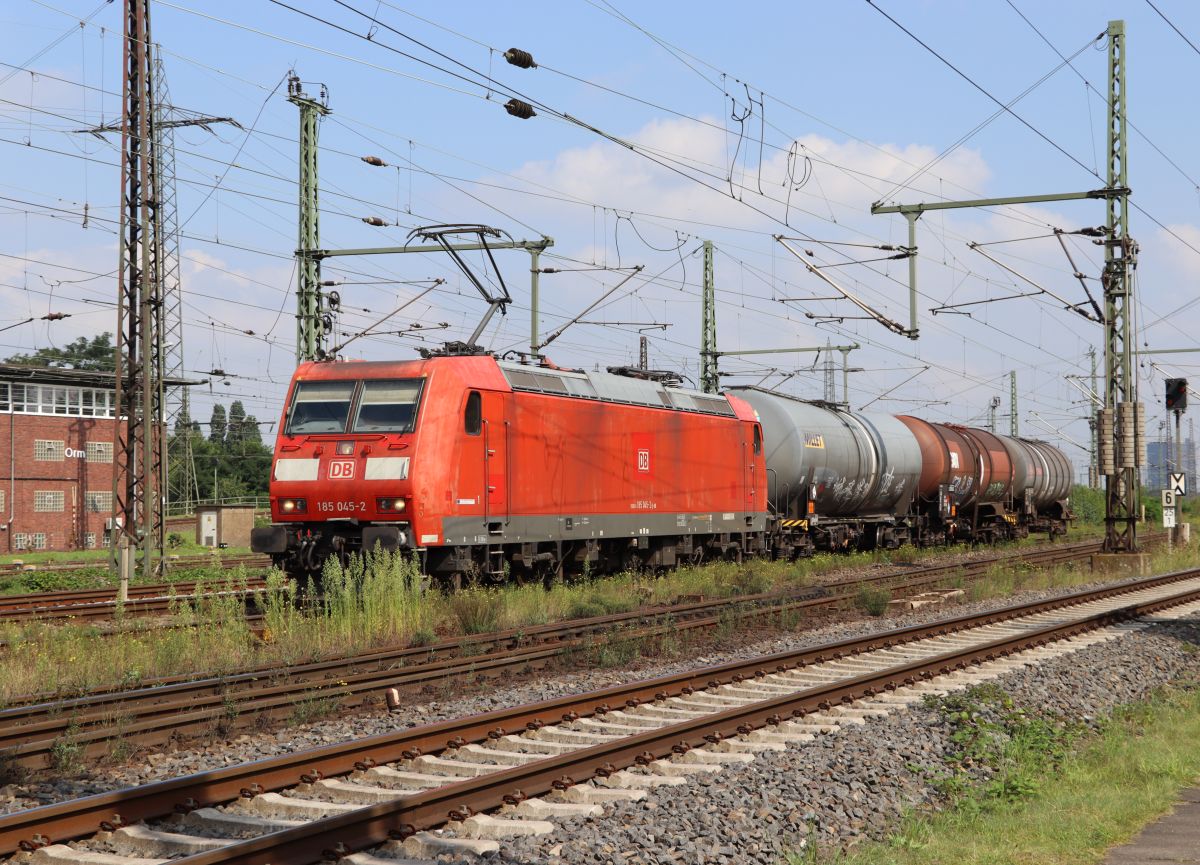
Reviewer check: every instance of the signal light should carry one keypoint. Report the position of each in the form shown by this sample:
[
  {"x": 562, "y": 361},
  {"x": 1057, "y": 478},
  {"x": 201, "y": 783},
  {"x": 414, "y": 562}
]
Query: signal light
[{"x": 1177, "y": 394}]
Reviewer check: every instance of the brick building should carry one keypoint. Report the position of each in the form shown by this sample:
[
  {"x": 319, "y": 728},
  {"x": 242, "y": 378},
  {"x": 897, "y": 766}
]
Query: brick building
[{"x": 56, "y": 458}]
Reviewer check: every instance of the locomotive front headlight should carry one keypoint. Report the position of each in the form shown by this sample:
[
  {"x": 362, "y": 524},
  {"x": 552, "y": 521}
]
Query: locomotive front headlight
[
  {"x": 398, "y": 505},
  {"x": 287, "y": 506},
  {"x": 390, "y": 504}
]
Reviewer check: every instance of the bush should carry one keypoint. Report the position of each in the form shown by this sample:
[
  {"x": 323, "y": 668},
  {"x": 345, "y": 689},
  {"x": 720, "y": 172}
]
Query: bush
[
  {"x": 477, "y": 610},
  {"x": 873, "y": 600},
  {"x": 1088, "y": 505}
]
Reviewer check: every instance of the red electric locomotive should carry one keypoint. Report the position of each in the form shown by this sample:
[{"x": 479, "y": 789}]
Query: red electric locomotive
[{"x": 485, "y": 467}]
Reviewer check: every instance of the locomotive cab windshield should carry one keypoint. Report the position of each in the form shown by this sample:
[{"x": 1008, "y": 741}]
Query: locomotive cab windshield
[
  {"x": 320, "y": 407},
  {"x": 382, "y": 405},
  {"x": 388, "y": 406}
]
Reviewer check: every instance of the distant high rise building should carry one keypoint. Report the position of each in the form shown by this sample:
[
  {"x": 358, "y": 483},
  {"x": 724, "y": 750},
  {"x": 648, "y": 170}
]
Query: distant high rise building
[{"x": 1161, "y": 462}]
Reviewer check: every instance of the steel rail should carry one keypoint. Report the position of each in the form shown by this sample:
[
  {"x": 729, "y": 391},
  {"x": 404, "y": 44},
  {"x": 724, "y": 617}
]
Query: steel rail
[
  {"x": 155, "y": 714},
  {"x": 196, "y": 560},
  {"x": 134, "y": 607},
  {"x": 374, "y": 824},
  {"x": 81, "y": 817},
  {"x": 96, "y": 603}
]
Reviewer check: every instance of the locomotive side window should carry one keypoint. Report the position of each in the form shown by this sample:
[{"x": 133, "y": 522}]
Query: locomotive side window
[
  {"x": 757, "y": 439},
  {"x": 320, "y": 407},
  {"x": 473, "y": 416},
  {"x": 388, "y": 406}
]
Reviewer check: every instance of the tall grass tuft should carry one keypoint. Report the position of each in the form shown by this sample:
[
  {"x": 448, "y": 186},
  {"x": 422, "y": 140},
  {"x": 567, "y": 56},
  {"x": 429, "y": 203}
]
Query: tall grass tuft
[
  {"x": 477, "y": 610},
  {"x": 375, "y": 598}
]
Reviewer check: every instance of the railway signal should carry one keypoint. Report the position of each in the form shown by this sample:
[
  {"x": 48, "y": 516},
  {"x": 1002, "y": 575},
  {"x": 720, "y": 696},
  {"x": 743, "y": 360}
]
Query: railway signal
[{"x": 1177, "y": 394}]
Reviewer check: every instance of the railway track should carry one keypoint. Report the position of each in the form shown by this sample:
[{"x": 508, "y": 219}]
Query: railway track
[
  {"x": 180, "y": 707},
  {"x": 158, "y": 598},
  {"x": 188, "y": 561},
  {"x": 143, "y": 600},
  {"x": 579, "y": 751}
]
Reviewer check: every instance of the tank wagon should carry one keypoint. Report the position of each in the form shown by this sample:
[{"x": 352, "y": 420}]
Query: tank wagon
[
  {"x": 487, "y": 468},
  {"x": 835, "y": 480}
]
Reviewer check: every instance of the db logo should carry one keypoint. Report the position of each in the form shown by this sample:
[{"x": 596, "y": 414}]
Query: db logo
[
  {"x": 341, "y": 470},
  {"x": 643, "y": 460}
]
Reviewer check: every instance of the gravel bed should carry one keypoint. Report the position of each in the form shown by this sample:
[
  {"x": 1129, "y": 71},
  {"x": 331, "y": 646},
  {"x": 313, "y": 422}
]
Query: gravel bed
[
  {"x": 21, "y": 793},
  {"x": 855, "y": 783}
]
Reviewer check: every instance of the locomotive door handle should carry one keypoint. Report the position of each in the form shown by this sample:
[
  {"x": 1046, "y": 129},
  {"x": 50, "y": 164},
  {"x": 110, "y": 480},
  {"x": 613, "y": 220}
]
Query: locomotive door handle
[{"x": 486, "y": 489}]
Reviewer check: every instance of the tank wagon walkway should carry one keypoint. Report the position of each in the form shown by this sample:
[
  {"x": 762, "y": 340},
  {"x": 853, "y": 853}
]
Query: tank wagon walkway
[{"x": 1174, "y": 838}]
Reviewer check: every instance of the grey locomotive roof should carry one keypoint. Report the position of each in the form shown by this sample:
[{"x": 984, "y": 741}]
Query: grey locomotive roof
[{"x": 612, "y": 388}]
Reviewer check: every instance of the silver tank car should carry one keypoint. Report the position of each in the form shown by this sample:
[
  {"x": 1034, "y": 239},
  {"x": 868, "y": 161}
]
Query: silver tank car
[
  {"x": 864, "y": 465},
  {"x": 1042, "y": 474}
]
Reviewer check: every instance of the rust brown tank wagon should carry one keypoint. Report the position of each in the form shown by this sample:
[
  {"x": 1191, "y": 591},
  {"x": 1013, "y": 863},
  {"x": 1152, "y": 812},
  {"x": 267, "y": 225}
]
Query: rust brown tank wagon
[{"x": 499, "y": 470}]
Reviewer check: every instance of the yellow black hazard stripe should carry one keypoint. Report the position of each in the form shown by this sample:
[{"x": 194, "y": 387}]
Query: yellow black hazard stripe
[{"x": 794, "y": 524}]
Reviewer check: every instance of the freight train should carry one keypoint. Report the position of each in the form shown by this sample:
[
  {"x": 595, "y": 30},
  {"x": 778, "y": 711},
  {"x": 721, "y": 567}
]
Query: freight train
[{"x": 489, "y": 469}]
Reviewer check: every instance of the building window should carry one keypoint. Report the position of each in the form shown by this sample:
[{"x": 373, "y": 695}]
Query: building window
[
  {"x": 48, "y": 501},
  {"x": 37, "y": 541},
  {"x": 99, "y": 452},
  {"x": 20, "y": 541},
  {"x": 99, "y": 503},
  {"x": 56, "y": 399},
  {"x": 48, "y": 450},
  {"x": 89, "y": 540}
]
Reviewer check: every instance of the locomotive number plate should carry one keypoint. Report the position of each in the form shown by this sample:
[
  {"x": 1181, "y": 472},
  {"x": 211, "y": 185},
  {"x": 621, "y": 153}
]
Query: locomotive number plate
[{"x": 342, "y": 507}]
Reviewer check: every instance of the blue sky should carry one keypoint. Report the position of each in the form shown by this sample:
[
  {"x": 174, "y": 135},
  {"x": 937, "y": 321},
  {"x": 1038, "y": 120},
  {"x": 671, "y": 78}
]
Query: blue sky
[{"x": 858, "y": 104}]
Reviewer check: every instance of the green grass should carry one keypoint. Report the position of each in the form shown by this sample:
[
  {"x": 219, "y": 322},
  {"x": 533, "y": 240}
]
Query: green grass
[{"x": 1056, "y": 798}]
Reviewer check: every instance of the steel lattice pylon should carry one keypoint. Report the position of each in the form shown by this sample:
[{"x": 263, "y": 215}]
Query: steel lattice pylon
[
  {"x": 310, "y": 312},
  {"x": 1121, "y": 419},
  {"x": 178, "y": 466},
  {"x": 138, "y": 450},
  {"x": 710, "y": 381}
]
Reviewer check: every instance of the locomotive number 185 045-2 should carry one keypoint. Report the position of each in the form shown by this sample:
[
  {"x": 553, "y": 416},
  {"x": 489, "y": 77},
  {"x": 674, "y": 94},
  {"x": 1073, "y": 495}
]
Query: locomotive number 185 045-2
[{"x": 342, "y": 507}]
